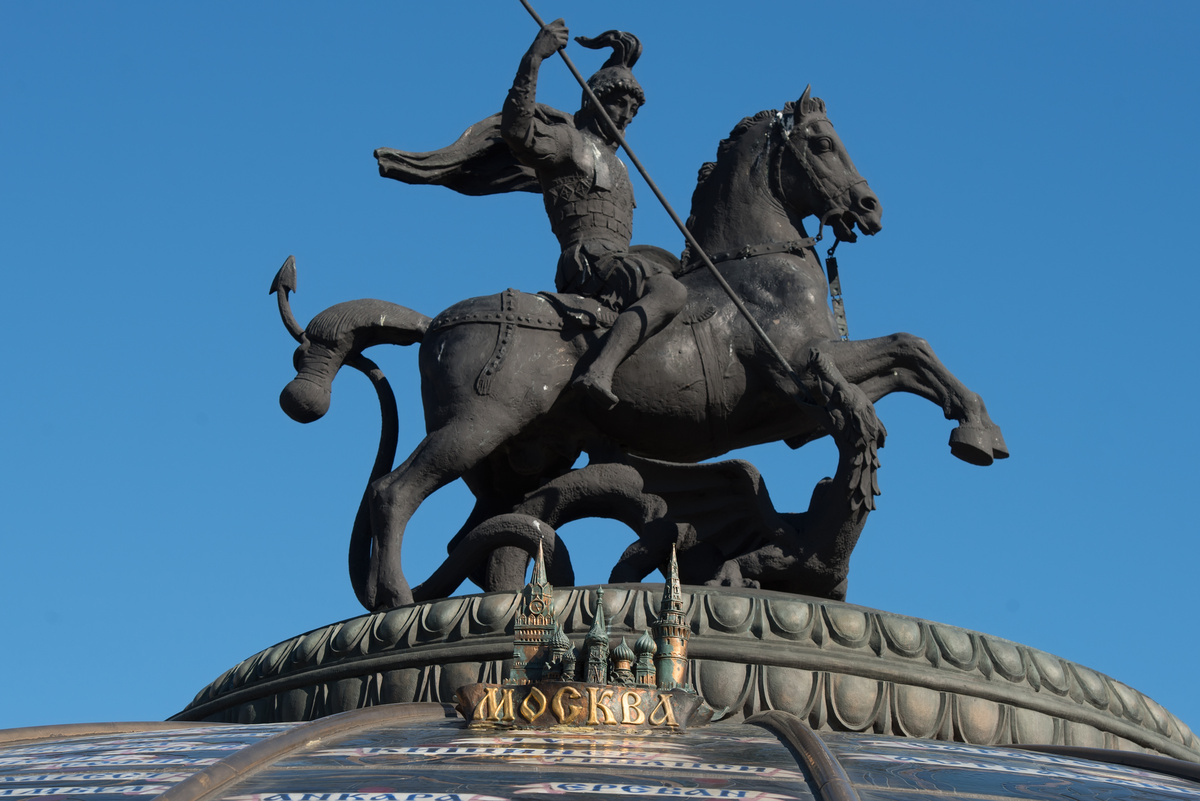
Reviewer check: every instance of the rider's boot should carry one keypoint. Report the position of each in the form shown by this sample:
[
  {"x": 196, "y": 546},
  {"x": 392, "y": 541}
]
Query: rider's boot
[
  {"x": 625, "y": 335},
  {"x": 664, "y": 298}
]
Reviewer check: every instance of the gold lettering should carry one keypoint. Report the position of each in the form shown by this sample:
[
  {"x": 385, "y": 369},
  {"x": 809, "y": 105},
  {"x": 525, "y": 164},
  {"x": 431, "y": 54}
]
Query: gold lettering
[
  {"x": 528, "y": 710},
  {"x": 596, "y": 699},
  {"x": 668, "y": 712},
  {"x": 492, "y": 709},
  {"x": 566, "y": 714},
  {"x": 631, "y": 711}
]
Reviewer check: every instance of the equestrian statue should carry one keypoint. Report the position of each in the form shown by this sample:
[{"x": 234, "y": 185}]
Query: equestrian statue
[{"x": 648, "y": 362}]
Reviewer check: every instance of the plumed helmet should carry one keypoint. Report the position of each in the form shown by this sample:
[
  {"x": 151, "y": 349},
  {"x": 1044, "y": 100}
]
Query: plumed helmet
[{"x": 617, "y": 73}]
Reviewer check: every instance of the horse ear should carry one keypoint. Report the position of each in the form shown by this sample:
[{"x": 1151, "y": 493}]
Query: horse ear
[{"x": 807, "y": 104}]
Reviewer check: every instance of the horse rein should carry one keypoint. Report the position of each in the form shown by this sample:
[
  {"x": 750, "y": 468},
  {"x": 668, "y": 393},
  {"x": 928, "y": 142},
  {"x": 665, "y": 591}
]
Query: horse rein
[
  {"x": 794, "y": 246},
  {"x": 835, "y": 290},
  {"x": 835, "y": 207}
]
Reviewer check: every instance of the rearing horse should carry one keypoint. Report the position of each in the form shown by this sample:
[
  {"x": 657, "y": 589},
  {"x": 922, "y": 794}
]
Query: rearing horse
[{"x": 495, "y": 370}]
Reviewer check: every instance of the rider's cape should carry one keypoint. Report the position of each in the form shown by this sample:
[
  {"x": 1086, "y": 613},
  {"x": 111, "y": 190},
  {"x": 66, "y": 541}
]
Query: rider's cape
[{"x": 480, "y": 162}]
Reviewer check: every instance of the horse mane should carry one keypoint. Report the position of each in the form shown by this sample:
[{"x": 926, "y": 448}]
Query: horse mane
[
  {"x": 808, "y": 105},
  {"x": 704, "y": 175},
  {"x": 706, "y": 169}
]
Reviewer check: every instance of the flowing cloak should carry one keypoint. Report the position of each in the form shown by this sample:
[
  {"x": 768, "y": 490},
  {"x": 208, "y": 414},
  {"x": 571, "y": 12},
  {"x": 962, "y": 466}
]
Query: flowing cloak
[{"x": 480, "y": 162}]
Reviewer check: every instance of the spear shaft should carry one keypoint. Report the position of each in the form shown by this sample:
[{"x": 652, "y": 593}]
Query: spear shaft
[{"x": 687, "y": 235}]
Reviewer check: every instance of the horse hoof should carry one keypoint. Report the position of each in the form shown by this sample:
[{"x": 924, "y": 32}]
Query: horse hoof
[
  {"x": 389, "y": 598},
  {"x": 978, "y": 444},
  {"x": 999, "y": 448}
]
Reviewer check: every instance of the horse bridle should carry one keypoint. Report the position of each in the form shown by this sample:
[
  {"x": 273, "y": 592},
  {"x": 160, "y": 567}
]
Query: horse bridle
[
  {"x": 836, "y": 202},
  {"x": 836, "y": 205}
]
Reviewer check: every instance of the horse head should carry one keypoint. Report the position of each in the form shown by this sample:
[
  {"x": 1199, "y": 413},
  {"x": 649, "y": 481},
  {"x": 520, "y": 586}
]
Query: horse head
[
  {"x": 795, "y": 160},
  {"x": 827, "y": 183}
]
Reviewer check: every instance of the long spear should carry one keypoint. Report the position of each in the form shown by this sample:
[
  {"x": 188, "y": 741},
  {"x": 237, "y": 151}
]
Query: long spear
[{"x": 687, "y": 235}]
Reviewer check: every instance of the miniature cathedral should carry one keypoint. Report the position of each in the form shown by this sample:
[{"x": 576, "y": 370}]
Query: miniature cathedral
[{"x": 542, "y": 652}]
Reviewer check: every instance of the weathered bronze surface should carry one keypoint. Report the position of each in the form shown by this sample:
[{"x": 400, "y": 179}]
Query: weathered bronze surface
[
  {"x": 641, "y": 360},
  {"x": 837, "y": 666}
]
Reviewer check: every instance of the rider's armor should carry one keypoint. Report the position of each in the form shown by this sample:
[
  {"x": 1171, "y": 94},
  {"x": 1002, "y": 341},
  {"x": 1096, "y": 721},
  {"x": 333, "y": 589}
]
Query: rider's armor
[
  {"x": 593, "y": 200},
  {"x": 595, "y": 216},
  {"x": 591, "y": 213}
]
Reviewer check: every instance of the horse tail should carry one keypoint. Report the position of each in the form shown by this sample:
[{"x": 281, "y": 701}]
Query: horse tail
[
  {"x": 337, "y": 337},
  {"x": 359, "y": 555}
]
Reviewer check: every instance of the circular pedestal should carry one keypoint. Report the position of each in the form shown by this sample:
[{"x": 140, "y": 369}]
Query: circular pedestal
[{"x": 840, "y": 667}]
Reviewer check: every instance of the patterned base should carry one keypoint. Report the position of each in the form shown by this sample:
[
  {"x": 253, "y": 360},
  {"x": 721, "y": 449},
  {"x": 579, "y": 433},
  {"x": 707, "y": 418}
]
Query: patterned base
[{"x": 839, "y": 666}]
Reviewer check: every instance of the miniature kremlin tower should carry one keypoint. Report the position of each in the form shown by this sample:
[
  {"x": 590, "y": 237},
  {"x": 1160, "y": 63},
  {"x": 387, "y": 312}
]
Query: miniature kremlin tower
[
  {"x": 596, "y": 645},
  {"x": 671, "y": 634},
  {"x": 542, "y": 652},
  {"x": 538, "y": 641}
]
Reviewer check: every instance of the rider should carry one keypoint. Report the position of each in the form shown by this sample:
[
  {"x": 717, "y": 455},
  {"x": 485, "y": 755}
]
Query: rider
[{"x": 589, "y": 200}]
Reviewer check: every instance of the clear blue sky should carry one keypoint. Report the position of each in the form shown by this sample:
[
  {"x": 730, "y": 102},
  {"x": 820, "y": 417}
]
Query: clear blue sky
[{"x": 163, "y": 519}]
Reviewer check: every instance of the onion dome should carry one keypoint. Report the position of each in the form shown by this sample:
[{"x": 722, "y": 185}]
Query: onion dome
[
  {"x": 623, "y": 653},
  {"x": 560, "y": 644},
  {"x": 645, "y": 645}
]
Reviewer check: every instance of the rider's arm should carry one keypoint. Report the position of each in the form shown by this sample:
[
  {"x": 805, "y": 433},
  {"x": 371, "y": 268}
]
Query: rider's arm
[{"x": 530, "y": 140}]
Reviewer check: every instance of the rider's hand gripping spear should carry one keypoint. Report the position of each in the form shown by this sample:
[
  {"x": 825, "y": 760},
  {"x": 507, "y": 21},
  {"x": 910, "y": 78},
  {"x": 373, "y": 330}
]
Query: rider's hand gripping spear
[{"x": 801, "y": 396}]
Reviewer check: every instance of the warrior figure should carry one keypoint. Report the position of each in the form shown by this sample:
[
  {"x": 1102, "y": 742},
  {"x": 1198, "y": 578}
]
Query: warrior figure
[
  {"x": 589, "y": 200},
  {"x": 572, "y": 161}
]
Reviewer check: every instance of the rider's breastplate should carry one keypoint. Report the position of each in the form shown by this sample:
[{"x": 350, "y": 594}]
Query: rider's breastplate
[{"x": 593, "y": 203}]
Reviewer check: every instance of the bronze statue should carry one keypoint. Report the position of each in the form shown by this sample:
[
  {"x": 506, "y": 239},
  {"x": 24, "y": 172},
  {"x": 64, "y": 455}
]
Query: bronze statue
[
  {"x": 496, "y": 373},
  {"x": 674, "y": 343}
]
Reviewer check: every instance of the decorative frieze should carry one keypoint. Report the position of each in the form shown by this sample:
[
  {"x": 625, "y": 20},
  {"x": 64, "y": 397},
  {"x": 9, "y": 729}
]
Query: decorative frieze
[{"x": 840, "y": 666}]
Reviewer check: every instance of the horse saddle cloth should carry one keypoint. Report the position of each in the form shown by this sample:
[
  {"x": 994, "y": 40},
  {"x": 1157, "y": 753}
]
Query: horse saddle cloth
[
  {"x": 546, "y": 311},
  {"x": 511, "y": 310}
]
